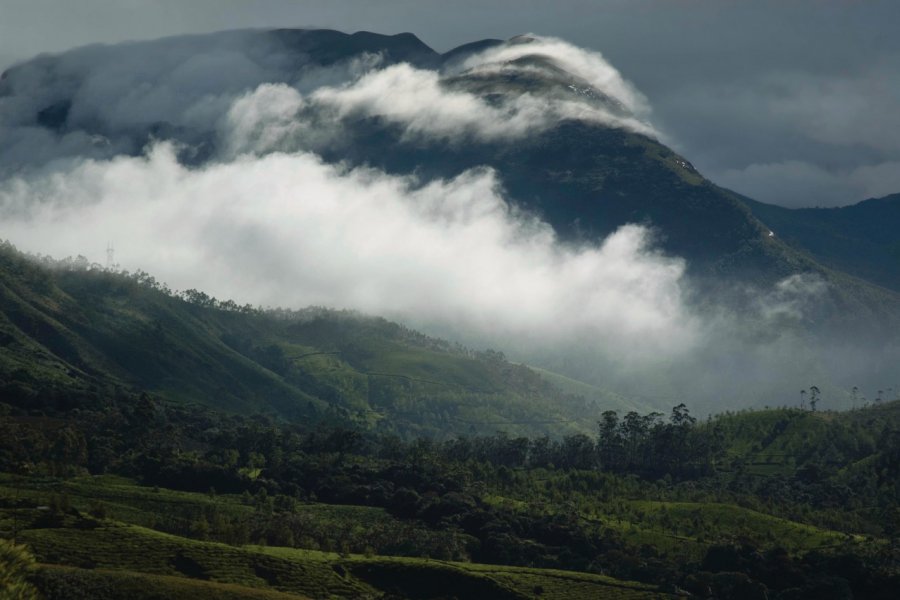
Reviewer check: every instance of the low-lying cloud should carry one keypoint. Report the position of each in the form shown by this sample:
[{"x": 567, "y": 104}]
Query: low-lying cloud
[
  {"x": 286, "y": 229},
  {"x": 422, "y": 103}
]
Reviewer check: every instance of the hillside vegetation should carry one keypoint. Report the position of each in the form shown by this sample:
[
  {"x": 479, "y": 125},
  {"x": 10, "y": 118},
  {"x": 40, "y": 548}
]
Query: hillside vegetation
[
  {"x": 75, "y": 333},
  {"x": 145, "y": 494}
]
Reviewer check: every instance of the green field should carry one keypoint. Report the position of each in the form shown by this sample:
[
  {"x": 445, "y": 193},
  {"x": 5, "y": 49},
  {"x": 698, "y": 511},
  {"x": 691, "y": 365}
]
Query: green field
[{"x": 112, "y": 557}]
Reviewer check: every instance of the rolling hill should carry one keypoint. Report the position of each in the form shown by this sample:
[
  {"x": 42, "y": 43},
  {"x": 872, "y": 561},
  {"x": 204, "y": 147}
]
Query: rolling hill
[{"x": 74, "y": 335}]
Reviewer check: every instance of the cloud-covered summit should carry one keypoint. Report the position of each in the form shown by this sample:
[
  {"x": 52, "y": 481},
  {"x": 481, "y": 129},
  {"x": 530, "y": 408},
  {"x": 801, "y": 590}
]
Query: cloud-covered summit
[
  {"x": 101, "y": 101},
  {"x": 219, "y": 162},
  {"x": 505, "y": 193}
]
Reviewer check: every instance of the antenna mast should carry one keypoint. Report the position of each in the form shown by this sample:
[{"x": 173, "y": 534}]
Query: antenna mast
[{"x": 110, "y": 257}]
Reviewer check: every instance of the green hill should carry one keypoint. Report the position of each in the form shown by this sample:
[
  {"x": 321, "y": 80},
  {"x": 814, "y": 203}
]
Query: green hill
[
  {"x": 206, "y": 503},
  {"x": 82, "y": 556},
  {"x": 778, "y": 440},
  {"x": 72, "y": 334}
]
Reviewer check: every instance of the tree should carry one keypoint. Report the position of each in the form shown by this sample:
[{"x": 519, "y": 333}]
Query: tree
[
  {"x": 16, "y": 565},
  {"x": 813, "y": 397},
  {"x": 609, "y": 442},
  {"x": 681, "y": 416}
]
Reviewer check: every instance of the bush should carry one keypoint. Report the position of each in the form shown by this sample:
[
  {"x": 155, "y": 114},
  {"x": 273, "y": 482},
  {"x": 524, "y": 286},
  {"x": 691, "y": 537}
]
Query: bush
[{"x": 16, "y": 568}]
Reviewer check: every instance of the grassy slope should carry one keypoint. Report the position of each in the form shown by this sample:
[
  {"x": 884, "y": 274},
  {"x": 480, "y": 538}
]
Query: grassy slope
[
  {"x": 608, "y": 400},
  {"x": 312, "y": 573},
  {"x": 58, "y": 582},
  {"x": 160, "y": 508},
  {"x": 682, "y": 528},
  {"x": 82, "y": 335},
  {"x": 110, "y": 559},
  {"x": 123, "y": 556},
  {"x": 772, "y": 441}
]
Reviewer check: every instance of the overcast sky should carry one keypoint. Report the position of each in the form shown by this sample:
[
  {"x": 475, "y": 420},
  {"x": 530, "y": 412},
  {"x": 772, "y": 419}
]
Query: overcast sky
[{"x": 790, "y": 102}]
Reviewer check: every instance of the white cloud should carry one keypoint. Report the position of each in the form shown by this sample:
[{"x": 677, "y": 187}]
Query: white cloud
[
  {"x": 266, "y": 221},
  {"x": 418, "y": 100},
  {"x": 286, "y": 229},
  {"x": 587, "y": 65}
]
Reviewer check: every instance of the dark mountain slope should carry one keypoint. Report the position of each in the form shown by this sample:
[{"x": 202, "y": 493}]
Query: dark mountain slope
[
  {"x": 584, "y": 178},
  {"x": 588, "y": 180},
  {"x": 862, "y": 239},
  {"x": 326, "y": 47}
]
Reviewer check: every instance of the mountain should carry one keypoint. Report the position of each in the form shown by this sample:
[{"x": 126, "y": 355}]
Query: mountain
[
  {"x": 584, "y": 177},
  {"x": 156, "y": 443},
  {"x": 73, "y": 337},
  {"x": 861, "y": 239},
  {"x": 561, "y": 137}
]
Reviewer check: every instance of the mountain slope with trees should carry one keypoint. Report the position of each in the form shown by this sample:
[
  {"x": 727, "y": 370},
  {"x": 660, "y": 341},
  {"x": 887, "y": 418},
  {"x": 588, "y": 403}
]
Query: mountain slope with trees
[
  {"x": 74, "y": 334},
  {"x": 777, "y": 503}
]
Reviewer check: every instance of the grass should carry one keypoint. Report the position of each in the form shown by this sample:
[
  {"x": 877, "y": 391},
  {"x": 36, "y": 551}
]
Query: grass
[
  {"x": 685, "y": 525},
  {"x": 354, "y": 527},
  {"x": 66, "y": 583},
  {"x": 403, "y": 575},
  {"x": 116, "y": 546},
  {"x": 84, "y": 557},
  {"x": 115, "y": 554},
  {"x": 120, "y": 497},
  {"x": 605, "y": 399}
]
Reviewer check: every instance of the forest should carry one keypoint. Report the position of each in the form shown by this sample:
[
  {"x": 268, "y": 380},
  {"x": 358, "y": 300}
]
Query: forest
[{"x": 789, "y": 502}]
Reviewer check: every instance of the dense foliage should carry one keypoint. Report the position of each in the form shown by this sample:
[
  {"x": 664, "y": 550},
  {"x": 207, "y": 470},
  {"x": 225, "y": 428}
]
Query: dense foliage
[
  {"x": 775, "y": 498},
  {"x": 74, "y": 334}
]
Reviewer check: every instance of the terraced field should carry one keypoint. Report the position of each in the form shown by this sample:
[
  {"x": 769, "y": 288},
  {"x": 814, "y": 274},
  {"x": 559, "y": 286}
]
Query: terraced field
[
  {"x": 693, "y": 522},
  {"x": 106, "y": 558},
  {"x": 131, "y": 561},
  {"x": 58, "y": 583}
]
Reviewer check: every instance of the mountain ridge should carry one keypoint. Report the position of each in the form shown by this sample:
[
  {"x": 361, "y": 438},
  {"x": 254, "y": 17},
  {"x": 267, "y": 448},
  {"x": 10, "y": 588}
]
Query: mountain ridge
[{"x": 861, "y": 239}]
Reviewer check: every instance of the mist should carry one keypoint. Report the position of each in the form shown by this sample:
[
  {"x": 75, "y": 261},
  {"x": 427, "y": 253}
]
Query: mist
[{"x": 203, "y": 164}]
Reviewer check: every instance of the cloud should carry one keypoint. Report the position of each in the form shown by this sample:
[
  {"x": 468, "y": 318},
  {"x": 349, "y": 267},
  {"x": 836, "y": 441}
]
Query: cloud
[
  {"x": 287, "y": 229},
  {"x": 99, "y": 102},
  {"x": 798, "y": 184},
  {"x": 450, "y": 256},
  {"x": 589, "y": 66},
  {"x": 427, "y": 105},
  {"x": 806, "y": 138}
]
